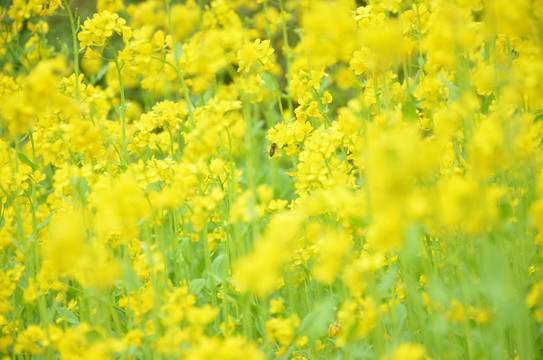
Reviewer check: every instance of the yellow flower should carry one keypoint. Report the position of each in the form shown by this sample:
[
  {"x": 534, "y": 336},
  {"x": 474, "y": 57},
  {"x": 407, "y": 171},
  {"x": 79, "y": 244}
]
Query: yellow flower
[
  {"x": 330, "y": 33},
  {"x": 276, "y": 306},
  {"x": 255, "y": 55},
  {"x": 96, "y": 31},
  {"x": 333, "y": 247},
  {"x": 31, "y": 292},
  {"x": 67, "y": 250},
  {"x": 282, "y": 330},
  {"x": 457, "y": 313},
  {"x": 120, "y": 205},
  {"x": 32, "y": 340},
  {"x": 109, "y": 5},
  {"x": 233, "y": 347},
  {"x": 408, "y": 351},
  {"x": 260, "y": 270}
]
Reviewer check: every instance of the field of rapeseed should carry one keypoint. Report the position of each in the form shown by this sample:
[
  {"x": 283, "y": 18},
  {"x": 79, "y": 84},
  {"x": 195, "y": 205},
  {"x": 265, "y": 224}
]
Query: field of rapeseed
[{"x": 271, "y": 179}]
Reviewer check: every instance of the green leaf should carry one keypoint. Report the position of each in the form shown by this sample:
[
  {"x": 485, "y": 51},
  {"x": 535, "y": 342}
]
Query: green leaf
[
  {"x": 101, "y": 73},
  {"x": 179, "y": 49},
  {"x": 316, "y": 323},
  {"x": 25, "y": 160},
  {"x": 488, "y": 101},
  {"x": 196, "y": 285},
  {"x": 45, "y": 221},
  {"x": 185, "y": 128},
  {"x": 363, "y": 351},
  {"x": 218, "y": 267},
  {"x": 400, "y": 316},
  {"x": 68, "y": 315},
  {"x": 131, "y": 279},
  {"x": 454, "y": 90},
  {"x": 506, "y": 211},
  {"x": 93, "y": 335},
  {"x": 386, "y": 283},
  {"x": 409, "y": 111}
]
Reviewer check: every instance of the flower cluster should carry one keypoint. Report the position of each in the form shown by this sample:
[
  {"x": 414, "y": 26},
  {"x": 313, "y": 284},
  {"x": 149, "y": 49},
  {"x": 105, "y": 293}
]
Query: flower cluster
[{"x": 96, "y": 31}]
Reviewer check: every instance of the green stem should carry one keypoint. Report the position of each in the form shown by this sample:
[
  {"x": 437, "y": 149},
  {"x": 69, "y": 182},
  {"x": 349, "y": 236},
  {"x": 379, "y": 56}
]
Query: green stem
[
  {"x": 278, "y": 92},
  {"x": 76, "y": 52},
  {"x": 376, "y": 91},
  {"x": 123, "y": 154},
  {"x": 210, "y": 278},
  {"x": 287, "y": 51}
]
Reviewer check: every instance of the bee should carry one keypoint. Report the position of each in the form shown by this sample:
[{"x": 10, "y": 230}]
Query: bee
[{"x": 273, "y": 149}]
